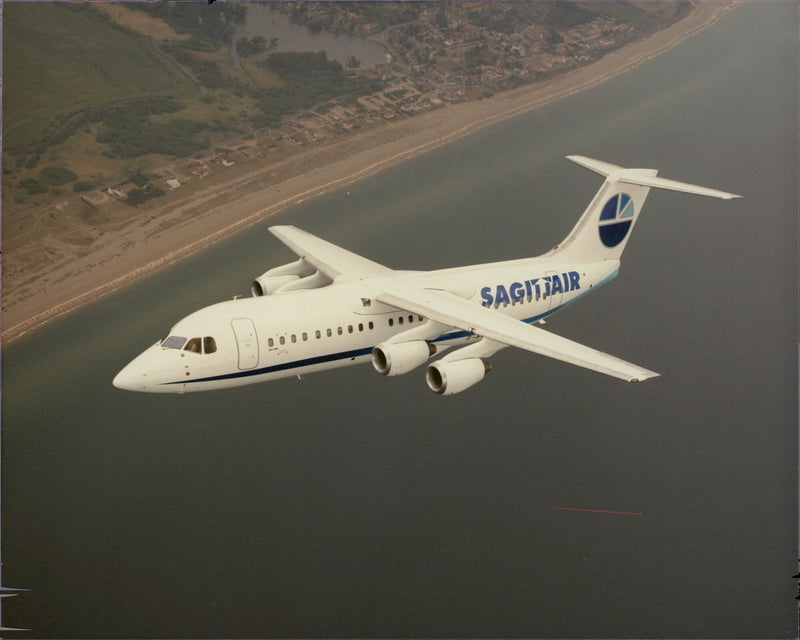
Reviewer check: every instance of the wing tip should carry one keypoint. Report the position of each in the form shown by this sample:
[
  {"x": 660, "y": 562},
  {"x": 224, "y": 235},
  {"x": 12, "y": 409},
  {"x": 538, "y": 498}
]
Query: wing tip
[{"x": 644, "y": 375}]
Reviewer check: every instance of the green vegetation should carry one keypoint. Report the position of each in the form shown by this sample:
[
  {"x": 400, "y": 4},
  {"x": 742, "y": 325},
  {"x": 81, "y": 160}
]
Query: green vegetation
[
  {"x": 83, "y": 185},
  {"x": 258, "y": 44},
  {"x": 308, "y": 78},
  {"x": 140, "y": 196},
  {"x": 62, "y": 59},
  {"x": 76, "y": 79},
  {"x": 212, "y": 25},
  {"x": 513, "y": 17},
  {"x": 338, "y": 16},
  {"x": 56, "y": 176},
  {"x": 207, "y": 72},
  {"x": 32, "y": 186},
  {"x": 131, "y": 132}
]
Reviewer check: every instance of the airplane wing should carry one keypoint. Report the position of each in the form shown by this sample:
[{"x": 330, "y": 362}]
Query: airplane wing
[
  {"x": 451, "y": 310},
  {"x": 331, "y": 260}
]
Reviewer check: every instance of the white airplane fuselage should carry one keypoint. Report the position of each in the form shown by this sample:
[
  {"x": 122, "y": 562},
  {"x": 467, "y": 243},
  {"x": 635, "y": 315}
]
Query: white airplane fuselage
[
  {"x": 300, "y": 332},
  {"x": 333, "y": 308}
]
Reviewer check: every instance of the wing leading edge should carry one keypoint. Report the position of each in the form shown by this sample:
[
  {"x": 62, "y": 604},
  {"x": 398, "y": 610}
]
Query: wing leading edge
[
  {"x": 331, "y": 260},
  {"x": 451, "y": 310}
]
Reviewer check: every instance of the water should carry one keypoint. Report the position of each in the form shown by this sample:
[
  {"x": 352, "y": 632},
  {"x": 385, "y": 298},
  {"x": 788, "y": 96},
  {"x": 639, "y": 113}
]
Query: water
[
  {"x": 351, "y": 505},
  {"x": 262, "y": 20}
]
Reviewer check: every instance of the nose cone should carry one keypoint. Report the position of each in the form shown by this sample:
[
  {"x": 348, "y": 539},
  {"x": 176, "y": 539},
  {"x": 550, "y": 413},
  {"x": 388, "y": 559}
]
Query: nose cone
[
  {"x": 138, "y": 374},
  {"x": 129, "y": 379}
]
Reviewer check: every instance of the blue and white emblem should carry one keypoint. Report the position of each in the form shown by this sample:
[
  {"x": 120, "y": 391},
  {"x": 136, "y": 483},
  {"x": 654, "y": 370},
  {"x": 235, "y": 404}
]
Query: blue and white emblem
[{"x": 616, "y": 219}]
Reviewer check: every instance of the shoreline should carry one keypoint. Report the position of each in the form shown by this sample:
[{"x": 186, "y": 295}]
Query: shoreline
[{"x": 220, "y": 210}]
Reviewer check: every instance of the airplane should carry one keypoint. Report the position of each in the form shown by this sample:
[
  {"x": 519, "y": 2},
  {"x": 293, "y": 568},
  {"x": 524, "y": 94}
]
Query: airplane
[{"x": 332, "y": 308}]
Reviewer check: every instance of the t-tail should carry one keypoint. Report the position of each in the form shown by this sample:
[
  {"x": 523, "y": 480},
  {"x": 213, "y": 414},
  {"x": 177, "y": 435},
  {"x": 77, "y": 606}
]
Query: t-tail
[{"x": 605, "y": 227}]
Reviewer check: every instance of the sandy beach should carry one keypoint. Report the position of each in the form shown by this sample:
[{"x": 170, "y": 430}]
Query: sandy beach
[{"x": 120, "y": 253}]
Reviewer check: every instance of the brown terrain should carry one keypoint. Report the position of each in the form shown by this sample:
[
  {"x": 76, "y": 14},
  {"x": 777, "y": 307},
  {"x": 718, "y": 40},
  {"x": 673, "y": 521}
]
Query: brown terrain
[{"x": 73, "y": 252}]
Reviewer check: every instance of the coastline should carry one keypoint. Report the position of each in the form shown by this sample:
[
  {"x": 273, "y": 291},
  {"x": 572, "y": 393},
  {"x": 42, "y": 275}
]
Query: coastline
[{"x": 220, "y": 210}]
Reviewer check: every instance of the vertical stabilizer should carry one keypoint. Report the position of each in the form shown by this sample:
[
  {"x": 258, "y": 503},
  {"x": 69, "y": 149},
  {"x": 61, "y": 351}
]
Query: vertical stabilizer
[{"x": 605, "y": 227}]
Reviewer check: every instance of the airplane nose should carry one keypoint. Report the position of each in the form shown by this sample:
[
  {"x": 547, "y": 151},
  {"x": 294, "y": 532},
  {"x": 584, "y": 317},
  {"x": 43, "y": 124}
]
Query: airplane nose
[
  {"x": 134, "y": 376},
  {"x": 129, "y": 379}
]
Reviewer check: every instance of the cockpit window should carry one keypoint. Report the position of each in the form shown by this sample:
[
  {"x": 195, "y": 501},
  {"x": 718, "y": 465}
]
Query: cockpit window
[
  {"x": 195, "y": 345},
  {"x": 173, "y": 342}
]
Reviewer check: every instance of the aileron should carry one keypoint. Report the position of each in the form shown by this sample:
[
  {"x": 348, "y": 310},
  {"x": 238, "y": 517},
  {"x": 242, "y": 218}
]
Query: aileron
[{"x": 450, "y": 310}]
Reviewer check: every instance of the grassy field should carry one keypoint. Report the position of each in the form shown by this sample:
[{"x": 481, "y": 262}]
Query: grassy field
[
  {"x": 98, "y": 62},
  {"x": 83, "y": 90},
  {"x": 100, "y": 92}
]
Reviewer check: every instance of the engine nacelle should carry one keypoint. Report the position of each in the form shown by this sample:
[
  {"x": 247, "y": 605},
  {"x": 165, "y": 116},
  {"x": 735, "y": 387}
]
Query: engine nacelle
[
  {"x": 395, "y": 358},
  {"x": 270, "y": 281},
  {"x": 449, "y": 377},
  {"x": 266, "y": 285}
]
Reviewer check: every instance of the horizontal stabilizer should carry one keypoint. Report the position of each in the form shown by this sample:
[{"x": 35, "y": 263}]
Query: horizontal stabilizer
[
  {"x": 674, "y": 185},
  {"x": 598, "y": 166},
  {"x": 646, "y": 178}
]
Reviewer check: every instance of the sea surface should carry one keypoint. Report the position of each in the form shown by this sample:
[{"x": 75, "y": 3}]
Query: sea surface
[{"x": 347, "y": 504}]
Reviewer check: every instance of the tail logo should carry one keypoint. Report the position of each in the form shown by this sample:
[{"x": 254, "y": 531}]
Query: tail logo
[{"x": 616, "y": 219}]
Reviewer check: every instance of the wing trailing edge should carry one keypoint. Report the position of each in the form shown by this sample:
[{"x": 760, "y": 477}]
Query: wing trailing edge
[{"x": 453, "y": 311}]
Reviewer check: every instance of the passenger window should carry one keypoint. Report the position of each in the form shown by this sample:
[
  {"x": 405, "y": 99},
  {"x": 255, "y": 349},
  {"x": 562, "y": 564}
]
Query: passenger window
[
  {"x": 173, "y": 342},
  {"x": 371, "y": 326},
  {"x": 282, "y": 340},
  {"x": 339, "y": 330},
  {"x": 360, "y": 326},
  {"x": 209, "y": 345},
  {"x": 305, "y": 336},
  {"x": 194, "y": 346},
  {"x": 271, "y": 342},
  {"x": 330, "y": 333},
  {"x": 349, "y": 328},
  {"x": 400, "y": 319},
  {"x": 294, "y": 338},
  {"x": 318, "y": 334},
  {"x": 391, "y": 322},
  {"x": 411, "y": 318}
]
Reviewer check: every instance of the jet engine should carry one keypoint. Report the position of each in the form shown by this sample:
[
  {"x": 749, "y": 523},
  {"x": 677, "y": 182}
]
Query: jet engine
[
  {"x": 395, "y": 358},
  {"x": 447, "y": 377},
  {"x": 288, "y": 277},
  {"x": 266, "y": 285}
]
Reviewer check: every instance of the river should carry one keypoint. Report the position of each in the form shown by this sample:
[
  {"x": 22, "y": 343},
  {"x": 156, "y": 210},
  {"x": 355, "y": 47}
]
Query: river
[{"x": 351, "y": 505}]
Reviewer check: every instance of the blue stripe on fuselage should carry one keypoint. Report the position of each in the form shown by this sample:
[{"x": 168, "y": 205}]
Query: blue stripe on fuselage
[
  {"x": 355, "y": 353},
  {"x": 296, "y": 364}
]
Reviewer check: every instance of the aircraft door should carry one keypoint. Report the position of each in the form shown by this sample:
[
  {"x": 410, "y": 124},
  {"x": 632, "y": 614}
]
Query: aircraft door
[
  {"x": 246, "y": 342},
  {"x": 556, "y": 289}
]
